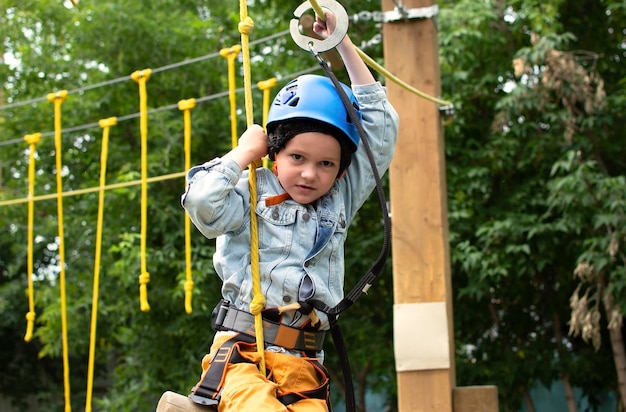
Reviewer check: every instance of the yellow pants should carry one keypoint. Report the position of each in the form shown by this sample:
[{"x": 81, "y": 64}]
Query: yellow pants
[{"x": 246, "y": 389}]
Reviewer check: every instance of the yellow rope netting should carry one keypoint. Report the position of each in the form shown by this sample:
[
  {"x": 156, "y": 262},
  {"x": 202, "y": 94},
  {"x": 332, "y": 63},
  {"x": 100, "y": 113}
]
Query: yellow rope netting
[
  {"x": 58, "y": 98},
  {"x": 186, "y": 106},
  {"x": 32, "y": 140},
  {"x": 106, "y": 125},
  {"x": 258, "y": 300},
  {"x": 141, "y": 77}
]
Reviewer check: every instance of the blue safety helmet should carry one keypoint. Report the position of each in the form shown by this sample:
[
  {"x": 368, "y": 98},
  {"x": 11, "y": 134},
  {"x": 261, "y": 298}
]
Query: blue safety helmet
[{"x": 313, "y": 97}]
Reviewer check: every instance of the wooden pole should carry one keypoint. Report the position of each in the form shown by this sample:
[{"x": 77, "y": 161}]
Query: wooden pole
[{"x": 423, "y": 332}]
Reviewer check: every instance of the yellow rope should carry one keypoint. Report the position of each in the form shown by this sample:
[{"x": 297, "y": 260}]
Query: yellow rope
[
  {"x": 380, "y": 69},
  {"x": 141, "y": 77},
  {"x": 32, "y": 140},
  {"x": 78, "y": 192},
  {"x": 186, "y": 106},
  {"x": 58, "y": 98},
  {"x": 372, "y": 63},
  {"x": 106, "y": 125},
  {"x": 230, "y": 54},
  {"x": 265, "y": 86},
  {"x": 258, "y": 300}
]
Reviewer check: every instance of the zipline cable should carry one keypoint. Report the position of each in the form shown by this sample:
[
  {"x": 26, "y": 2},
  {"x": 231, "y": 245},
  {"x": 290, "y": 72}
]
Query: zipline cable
[
  {"x": 153, "y": 111},
  {"x": 125, "y": 78}
]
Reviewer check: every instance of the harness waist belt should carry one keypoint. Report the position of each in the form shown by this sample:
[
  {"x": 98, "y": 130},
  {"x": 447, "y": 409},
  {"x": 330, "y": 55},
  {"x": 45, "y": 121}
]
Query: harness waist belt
[{"x": 228, "y": 317}]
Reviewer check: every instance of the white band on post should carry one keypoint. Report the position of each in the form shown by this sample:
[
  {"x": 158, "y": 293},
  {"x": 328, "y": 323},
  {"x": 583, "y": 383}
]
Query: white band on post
[{"x": 420, "y": 334}]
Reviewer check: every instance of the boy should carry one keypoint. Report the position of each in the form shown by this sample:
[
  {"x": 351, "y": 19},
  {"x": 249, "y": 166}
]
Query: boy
[{"x": 321, "y": 177}]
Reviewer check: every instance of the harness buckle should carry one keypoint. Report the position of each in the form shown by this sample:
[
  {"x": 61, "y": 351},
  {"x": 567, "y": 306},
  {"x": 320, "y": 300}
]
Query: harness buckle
[{"x": 321, "y": 45}]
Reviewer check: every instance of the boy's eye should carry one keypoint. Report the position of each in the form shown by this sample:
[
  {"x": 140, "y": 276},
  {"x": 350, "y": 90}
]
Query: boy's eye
[
  {"x": 327, "y": 163},
  {"x": 296, "y": 156}
]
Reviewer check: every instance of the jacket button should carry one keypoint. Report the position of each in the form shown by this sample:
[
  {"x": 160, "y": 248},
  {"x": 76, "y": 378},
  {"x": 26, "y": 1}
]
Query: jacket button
[
  {"x": 306, "y": 217},
  {"x": 286, "y": 299},
  {"x": 275, "y": 214}
]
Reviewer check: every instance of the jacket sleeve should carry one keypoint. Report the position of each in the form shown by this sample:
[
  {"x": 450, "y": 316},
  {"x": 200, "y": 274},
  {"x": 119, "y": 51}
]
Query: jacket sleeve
[
  {"x": 216, "y": 198},
  {"x": 380, "y": 123}
]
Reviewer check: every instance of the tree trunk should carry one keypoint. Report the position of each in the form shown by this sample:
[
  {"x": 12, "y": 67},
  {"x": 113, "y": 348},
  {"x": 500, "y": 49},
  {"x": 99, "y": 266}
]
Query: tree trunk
[
  {"x": 530, "y": 405},
  {"x": 569, "y": 393},
  {"x": 567, "y": 386},
  {"x": 619, "y": 355}
]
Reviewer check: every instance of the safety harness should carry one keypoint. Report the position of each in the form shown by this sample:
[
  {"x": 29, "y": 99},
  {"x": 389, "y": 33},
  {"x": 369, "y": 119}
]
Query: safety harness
[{"x": 226, "y": 317}]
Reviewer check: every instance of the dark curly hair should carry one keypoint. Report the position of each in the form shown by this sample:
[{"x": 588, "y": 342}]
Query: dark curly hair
[{"x": 284, "y": 131}]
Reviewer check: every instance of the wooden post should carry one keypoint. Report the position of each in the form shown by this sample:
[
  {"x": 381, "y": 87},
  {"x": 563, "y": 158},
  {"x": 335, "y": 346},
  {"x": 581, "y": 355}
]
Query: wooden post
[{"x": 423, "y": 332}]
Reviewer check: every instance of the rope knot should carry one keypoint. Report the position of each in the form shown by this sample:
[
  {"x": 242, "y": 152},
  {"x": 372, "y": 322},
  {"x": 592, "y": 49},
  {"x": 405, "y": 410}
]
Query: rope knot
[
  {"x": 32, "y": 138},
  {"x": 144, "y": 278},
  {"x": 246, "y": 26},
  {"x": 188, "y": 286},
  {"x": 257, "y": 305}
]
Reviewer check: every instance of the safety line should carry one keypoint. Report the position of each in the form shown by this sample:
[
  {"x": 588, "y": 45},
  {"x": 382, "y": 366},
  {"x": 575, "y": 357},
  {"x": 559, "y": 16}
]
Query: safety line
[
  {"x": 258, "y": 300},
  {"x": 57, "y": 99},
  {"x": 106, "y": 125}
]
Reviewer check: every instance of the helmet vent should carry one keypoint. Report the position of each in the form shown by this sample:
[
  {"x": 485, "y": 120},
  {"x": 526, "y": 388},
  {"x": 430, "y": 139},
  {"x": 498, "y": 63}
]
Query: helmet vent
[{"x": 293, "y": 102}]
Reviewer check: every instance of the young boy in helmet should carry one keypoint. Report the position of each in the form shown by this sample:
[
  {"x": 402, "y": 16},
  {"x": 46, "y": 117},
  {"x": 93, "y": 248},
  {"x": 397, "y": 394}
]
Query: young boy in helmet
[{"x": 321, "y": 177}]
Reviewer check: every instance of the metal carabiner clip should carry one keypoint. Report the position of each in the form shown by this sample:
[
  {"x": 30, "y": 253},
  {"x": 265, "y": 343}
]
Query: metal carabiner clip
[{"x": 321, "y": 45}]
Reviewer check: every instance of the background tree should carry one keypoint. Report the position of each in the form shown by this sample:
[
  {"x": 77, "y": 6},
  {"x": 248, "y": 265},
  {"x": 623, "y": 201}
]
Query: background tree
[{"x": 534, "y": 172}]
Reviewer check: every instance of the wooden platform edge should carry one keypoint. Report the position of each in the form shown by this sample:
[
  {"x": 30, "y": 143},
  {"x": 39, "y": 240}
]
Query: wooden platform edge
[
  {"x": 475, "y": 398},
  {"x": 175, "y": 402}
]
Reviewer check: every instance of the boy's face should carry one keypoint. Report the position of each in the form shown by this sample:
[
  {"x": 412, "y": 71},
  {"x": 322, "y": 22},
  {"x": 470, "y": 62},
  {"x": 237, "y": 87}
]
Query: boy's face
[{"x": 308, "y": 165}]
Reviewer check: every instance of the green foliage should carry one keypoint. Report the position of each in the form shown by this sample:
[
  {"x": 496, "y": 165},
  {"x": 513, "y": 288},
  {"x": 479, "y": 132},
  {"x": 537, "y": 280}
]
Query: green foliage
[{"x": 535, "y": 177}]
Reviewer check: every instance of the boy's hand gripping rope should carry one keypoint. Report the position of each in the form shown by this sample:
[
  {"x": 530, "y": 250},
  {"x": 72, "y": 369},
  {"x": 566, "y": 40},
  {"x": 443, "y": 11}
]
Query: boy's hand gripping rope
[{"x": 331, "y": 41}]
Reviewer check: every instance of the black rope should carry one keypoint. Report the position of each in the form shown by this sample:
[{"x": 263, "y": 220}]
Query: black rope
[{"x": 377, "y": 267}]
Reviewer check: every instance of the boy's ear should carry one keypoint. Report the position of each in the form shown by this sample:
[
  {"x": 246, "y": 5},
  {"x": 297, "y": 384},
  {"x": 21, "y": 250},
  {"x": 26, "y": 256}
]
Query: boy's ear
[
  {"x": 275, "y": 166},
  {"x": 341, "y": 175}
]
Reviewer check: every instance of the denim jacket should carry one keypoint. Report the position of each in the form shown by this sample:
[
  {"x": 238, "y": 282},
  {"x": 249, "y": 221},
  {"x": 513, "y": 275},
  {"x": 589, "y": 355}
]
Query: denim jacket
[{"x": 301, "y": 247}]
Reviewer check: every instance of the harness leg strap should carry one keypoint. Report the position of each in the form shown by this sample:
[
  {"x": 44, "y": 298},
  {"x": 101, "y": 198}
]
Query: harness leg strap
[{"x": 208, "y": 391}]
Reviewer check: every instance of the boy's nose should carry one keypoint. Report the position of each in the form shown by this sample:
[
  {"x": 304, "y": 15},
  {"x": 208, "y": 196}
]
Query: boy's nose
[{"x": 308, "y": 172}]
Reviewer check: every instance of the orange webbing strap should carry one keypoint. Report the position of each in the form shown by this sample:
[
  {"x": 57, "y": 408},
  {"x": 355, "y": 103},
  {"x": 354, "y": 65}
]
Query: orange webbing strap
[
  {"x": 265, "y": 86},
  {"x": 106, "y": 125},
  {"x": 258, "y": 300},
  {"x": 208, "y": 391},
  {"x": 186, "y": 106},
  {"x": 230, "y": 54},
  {"x": 141, "y": 77},
  {"x": 32, "y": 140},
  {"x": 58, "y": 98}
]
